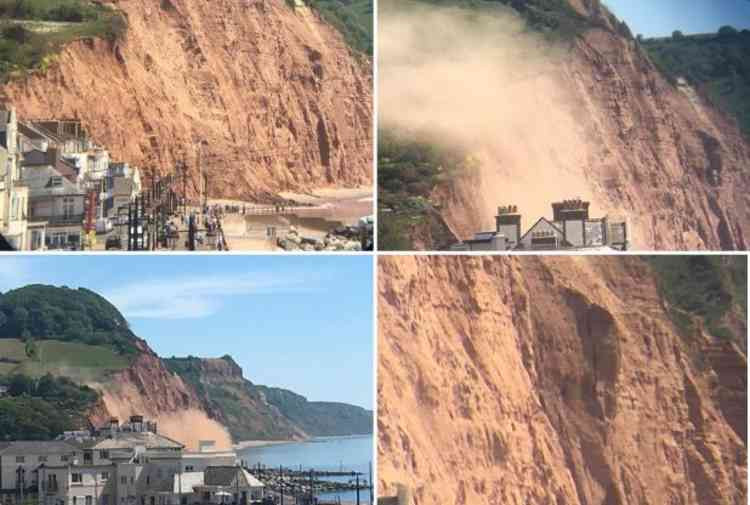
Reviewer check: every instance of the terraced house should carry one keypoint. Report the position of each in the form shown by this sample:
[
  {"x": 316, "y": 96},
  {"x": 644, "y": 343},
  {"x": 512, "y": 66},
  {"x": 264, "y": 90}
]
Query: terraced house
[
  {"x": 56, "y": 186},
  {"x": 128, "y": 464}
]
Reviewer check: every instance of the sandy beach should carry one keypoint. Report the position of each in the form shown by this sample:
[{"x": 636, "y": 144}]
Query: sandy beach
[
  {"x": 320, "y": 211},
  {"x": 247, "y": 444}
]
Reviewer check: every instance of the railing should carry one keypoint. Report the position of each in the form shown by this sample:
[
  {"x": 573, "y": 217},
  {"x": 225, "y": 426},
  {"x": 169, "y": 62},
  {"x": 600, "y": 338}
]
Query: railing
[{"x": 73, "y": 219}]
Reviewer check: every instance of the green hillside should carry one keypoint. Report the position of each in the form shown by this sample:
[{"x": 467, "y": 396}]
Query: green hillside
[
  {"x": 33, "y": 31},
  {"x": 69, "y": 315},
  {"x": 717, "y": 64},
  {"x": 41, "y": 409},
  {"x": 80, "y": 362},
  {"x": 320, "y": 419}
]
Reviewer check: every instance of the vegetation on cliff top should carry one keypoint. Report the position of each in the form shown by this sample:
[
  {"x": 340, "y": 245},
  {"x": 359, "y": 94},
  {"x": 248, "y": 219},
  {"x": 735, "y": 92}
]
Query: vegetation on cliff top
[
  {"x": 70, "y": 315},
  {"x": 716, "y": 64},
  {"x": 352, "y": 18},
  {"x": 409, "y": 168},
  {"x": 41, "y": 409},
  {"x": 33, "y": 31},
  {"x": 704, "y": 287}
]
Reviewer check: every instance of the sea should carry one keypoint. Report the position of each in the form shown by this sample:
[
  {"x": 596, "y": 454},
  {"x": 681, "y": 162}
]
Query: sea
[{"x": 353, "y": 453}]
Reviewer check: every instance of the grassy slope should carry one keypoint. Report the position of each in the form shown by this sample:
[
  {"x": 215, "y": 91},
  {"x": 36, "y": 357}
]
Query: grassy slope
[
  {"x": 718, "y": 65},
  {"x": 80, "y": 362},
  {"x": 67, "y": 337},
  {"x": 23, "y": 48}
]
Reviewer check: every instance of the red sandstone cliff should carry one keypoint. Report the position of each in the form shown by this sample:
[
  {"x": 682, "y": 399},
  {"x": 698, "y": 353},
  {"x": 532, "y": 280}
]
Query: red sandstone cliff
[
  {"x": 275, "y": 95},
  {"x": 147, "y": 388},
  {"x": 541, "y": 380}
]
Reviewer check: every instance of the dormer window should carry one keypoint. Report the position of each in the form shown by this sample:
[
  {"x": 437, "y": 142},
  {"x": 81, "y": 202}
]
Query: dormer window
[{"x": 56, "y": 182}]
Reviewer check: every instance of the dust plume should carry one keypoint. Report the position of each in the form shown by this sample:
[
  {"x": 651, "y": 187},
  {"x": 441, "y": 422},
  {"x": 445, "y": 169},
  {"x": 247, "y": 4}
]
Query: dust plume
[
  {"x": 192, "y": 426},
  {"x": 481, "y": 82},
  {"x": 187, "y": 426}
]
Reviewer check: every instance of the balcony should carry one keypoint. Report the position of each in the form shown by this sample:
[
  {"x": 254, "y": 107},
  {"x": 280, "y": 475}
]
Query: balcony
[{"x": 70, "y": 220}]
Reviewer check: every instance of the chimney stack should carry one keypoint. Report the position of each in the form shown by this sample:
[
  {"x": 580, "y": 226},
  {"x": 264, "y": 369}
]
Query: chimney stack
[{"x": 508, "y": 224}]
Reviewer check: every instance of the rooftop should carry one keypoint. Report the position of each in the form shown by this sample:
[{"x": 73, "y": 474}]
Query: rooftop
[
  {"x": 30, "y": 448},
  {"x": 126, "y": 440}
]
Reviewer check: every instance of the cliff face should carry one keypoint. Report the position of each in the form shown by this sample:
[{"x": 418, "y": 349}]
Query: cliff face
[
  {"x": 148, "y": 388},
  {"x": 234, "y": 400},
  {"x": 273, "y": 93},
  {"x": 541, "y": 380},
  {"x": 646, "y": 150},
  {"x": 254, "y": 412}
]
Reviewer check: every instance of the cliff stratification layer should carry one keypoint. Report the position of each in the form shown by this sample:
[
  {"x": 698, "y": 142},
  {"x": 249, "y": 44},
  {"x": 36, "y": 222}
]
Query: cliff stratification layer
[
  {"x": 272, "y": 94},
  {"x": 540, "y": 380}
]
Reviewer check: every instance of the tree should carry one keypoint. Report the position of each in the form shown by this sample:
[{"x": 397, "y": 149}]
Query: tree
[
  {"x": 727, "y": 31},
  {"x": 32, "y": 352},
  {"x": 678, "y": 35}
]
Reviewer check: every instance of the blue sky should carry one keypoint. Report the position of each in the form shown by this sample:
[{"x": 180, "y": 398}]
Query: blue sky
[
  {"x": 657, "y": 18},
  {"x": 299, "y": 322}
]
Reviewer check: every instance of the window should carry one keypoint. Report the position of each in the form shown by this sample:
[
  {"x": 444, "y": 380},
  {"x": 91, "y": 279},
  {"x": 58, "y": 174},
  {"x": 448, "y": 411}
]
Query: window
[
  {"x": 75, "y": 500},
  {"x": 123, "y": 480},
  {"x": 105, "y": 475},
  {"x": 88, "y": 457},
  {"x": 77, "y": 478},
  {"x": 64, "y": 457},
  {"x": 20, "y": 459},
  {"x": 104, "y": 454},
  {"x": 89, "y": 500},
  {"x": 42, "y": 459},
  {"x": 55, "y": 182},
  {"x": 189, "y": 468},
  {"x": 68, "y": 207}
]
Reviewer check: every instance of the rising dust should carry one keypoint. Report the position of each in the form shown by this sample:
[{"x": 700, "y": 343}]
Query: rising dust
[{"x": 481, "y": 82}]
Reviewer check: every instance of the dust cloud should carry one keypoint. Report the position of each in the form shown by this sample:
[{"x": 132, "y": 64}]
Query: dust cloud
[
  {"x": 192, "y": 426},
  {"x": 481, "y": 82},
  {"x": 188, "y": 426}
]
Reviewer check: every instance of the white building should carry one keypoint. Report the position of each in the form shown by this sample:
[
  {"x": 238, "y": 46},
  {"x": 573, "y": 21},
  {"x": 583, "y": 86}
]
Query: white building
[
  {"x": 14, "y": 194},
  {"x": 20, "y": 461},
  {"x": 128, "y": 464}
]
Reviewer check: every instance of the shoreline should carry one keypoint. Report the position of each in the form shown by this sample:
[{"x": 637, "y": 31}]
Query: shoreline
[{"x": 251, "y": 444}]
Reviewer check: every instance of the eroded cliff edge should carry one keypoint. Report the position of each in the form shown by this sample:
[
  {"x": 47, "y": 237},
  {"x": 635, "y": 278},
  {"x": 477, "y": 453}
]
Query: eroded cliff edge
[
  {"x": 552, "y": 381},
  {"x": 274, "y": 95}
]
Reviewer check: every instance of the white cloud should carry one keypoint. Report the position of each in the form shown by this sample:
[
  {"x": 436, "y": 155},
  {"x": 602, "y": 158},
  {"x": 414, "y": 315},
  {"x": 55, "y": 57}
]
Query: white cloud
[{"x": 201, "y": 295}]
